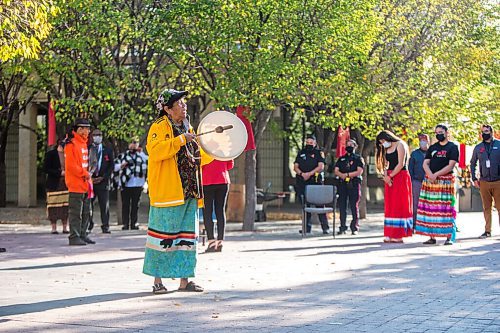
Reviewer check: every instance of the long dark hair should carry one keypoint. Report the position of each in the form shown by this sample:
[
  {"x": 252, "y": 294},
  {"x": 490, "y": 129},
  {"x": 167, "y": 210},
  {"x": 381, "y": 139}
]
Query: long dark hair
[{"x": 380, "y": 155}]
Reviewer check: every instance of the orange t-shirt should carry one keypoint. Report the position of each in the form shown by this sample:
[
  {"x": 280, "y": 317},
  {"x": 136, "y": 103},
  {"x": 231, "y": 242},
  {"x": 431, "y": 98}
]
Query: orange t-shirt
[{"x": 77, "y": 164}]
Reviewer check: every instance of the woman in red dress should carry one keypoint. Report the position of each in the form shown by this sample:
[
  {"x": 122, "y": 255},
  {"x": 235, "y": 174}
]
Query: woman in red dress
[{"x": 392, "y": 162}]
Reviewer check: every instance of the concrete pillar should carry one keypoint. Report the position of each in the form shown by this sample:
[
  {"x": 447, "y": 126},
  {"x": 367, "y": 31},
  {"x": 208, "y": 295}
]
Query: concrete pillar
[{"x": 27, "y": 157}]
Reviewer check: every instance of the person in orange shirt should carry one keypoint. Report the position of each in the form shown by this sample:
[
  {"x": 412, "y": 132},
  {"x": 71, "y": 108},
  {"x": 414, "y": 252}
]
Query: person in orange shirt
[{"x": 77, "y": 181}]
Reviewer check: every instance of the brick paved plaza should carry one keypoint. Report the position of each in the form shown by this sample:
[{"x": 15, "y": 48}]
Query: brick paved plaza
[{"x": 266, "y": 281}]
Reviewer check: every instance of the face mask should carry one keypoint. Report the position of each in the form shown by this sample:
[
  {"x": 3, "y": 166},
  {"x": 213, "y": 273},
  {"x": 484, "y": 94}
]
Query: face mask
[
  {"x": 309, "y": 147},
  {"x": 133, "y": 151},
  {"x": 440, "y": 137},
  {"x": 349, "y": 149},
  {"x": 423, "y": 144},
  {"x": 486, "y": 136},
  {"x": 386, "y": 144},
  {"x": 97, "y": 139}
]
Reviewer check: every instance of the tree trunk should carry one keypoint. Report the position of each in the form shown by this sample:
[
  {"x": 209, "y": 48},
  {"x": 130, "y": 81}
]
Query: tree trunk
[
  {"x": 365, "y": 153},
  {"x": 3, "y": 178},
  {"x": 365, "y": 147},
  {"x": 3, "y": 167},
  {"x": 250, "y": 196},
  {"x": 259, "y": 125},
  {"x": 4, "y": 132}
]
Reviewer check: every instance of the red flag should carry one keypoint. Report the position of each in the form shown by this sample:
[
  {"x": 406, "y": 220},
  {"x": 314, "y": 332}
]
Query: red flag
[
  {"x": 461, "y": 158},
  {"x": 240, "y": 110},
  {"x": 342, "y": 137},
  {"x": 51, "y": 126}
]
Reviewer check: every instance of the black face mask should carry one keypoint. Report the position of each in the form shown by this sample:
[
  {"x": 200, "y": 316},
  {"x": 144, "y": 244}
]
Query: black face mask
[
  {"x": 486, "y": 136},
  {"x": 309, "y": 147},
  {"x": 349, "y": 149},
  {"x": 132, "y": 151},
  {"x": 440, "y": 137}
]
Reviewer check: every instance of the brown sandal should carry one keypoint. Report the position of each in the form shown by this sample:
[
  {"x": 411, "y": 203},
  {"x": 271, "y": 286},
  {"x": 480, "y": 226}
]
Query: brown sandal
[
  {"x": 211, "y": 248},
  {"x": 191, "y": 286}
]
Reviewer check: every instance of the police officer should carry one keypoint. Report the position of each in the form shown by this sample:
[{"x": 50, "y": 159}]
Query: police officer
[
  {"x": 309, "y": 166},
  {"x": 348, "y": 169}
]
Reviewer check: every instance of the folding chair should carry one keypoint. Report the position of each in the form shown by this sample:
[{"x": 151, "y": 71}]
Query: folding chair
[{"x": 319, "y": 195}]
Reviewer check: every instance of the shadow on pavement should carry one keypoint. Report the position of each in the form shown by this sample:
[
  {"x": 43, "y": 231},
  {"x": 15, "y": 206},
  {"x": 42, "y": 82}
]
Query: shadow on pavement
[
  {"x": 16, "y": 309},
  {"x": 80, "y": 263}
]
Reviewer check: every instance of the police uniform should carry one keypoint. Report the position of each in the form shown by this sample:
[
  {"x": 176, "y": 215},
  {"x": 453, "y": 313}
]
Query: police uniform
[
  {"x": 308, "y": 160},
  {"x": 351, "y": 189}
]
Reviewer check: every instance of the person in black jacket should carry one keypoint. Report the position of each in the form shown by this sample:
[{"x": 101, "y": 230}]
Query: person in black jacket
[
  {"x": 308, "y": 167},
  {"x": 349, "y": 169},
  {"x": 57, "y": 192},
  {"x": 103, "y": 168}
]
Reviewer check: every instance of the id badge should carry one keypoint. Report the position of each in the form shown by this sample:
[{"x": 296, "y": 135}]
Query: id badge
[{"x": 488, "y": 164}]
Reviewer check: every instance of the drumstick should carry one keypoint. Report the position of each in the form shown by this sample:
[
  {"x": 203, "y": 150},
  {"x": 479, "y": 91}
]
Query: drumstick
[{"x": 218, "y": 129}]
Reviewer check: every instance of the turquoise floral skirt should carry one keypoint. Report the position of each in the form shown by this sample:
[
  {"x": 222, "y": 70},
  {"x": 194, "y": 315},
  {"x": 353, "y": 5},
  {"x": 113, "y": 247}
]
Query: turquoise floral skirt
[{"x": 171, "y": 241}]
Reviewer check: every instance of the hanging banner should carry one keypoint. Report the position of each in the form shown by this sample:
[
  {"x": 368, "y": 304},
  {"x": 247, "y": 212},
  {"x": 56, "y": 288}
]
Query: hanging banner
[
  {"x": 51, "y": 126},
  {"x": 462, "y": 164},
  {"x": 343, "y": 136},
  {"x": 241, "y": 112}
]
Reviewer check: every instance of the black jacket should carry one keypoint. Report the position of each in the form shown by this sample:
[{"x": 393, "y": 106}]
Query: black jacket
[
  {"x": 52, "y": 166},
  {"x": 106, "y": 167}
]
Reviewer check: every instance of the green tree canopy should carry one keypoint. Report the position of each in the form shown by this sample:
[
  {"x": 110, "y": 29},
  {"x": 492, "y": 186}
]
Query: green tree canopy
[
  {"x": 107, "y": 60},
  {"x": 431, "y": 62},
  {"x": 23, "y": 26}
]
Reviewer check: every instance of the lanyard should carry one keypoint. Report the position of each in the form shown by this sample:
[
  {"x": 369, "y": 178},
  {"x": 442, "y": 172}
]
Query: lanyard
[{"x": 488, "y": 150}]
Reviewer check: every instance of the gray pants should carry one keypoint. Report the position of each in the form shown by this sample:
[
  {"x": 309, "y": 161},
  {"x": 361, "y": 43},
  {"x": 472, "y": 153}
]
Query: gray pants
[
  {"x": 416, "y": 186},
  {"x": 79, "y": 214}
]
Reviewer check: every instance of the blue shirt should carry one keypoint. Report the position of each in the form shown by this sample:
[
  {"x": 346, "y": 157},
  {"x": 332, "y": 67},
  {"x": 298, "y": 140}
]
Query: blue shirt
[{"x": 416, "y": 165}]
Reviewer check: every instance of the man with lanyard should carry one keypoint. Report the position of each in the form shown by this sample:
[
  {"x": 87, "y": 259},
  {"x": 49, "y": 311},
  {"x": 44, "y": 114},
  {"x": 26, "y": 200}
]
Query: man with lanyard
[
  {"x": 416, "y": 170},
  {"x": 488, "y": 155},
  {"x": 349, "y": 169},
  {"x": 308, "y": 166},
  {"x": 100, "y": 179}
]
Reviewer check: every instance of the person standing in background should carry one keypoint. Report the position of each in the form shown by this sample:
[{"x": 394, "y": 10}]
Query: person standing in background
[
  {"x": 101, "y": 179},
  {"x": 215, "y": 176},
  {"x": 392, "y": 161},
  {"x": 132, "y": 167},
  {"x": 77, "y": 180},
  {"x": 416, "y": 169},
  {"x": 487, "y": 153},
  {"x": 57, "y": 192},
  {"x": 436, "y": 205},
  {"x": 349, "y": 169},
  {"x": 308, "y": 166}
]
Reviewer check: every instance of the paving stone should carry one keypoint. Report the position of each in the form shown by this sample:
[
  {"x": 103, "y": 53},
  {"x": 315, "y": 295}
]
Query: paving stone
[{"x": 266, "y": 281}]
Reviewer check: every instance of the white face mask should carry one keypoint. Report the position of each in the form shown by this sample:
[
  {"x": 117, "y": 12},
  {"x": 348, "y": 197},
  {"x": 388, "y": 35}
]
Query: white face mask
[
  {"x": 97, "y": 139},
  {"x": 423, "y": 144},
  {"x": 386, "y": 144}
]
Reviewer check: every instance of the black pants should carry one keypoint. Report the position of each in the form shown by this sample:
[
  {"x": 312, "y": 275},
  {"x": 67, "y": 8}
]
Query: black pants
[
  {"x": 131, "y": 196},
  {"x": 102, "y": 195},
  {"x": 353, "y": 193},
  {"x": 79, "y": 214},
  {"x": 300, "y": 190},
  {"x": 215, "y": 196}
]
